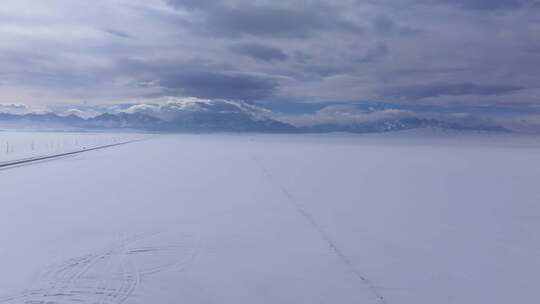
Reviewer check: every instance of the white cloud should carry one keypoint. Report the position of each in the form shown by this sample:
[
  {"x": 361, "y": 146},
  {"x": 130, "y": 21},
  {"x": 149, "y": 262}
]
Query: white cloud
[
  {"x": 82, "y": 113},
  {"x": 171, "y": 107},
  {"x": 345, "y": 115},
  {"x": 20, "y": 109}
]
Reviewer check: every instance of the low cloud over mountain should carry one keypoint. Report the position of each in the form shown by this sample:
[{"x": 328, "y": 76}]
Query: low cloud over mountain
[
  {"x": 174, "y": 115},
  {"x": 219, "y": 115}
]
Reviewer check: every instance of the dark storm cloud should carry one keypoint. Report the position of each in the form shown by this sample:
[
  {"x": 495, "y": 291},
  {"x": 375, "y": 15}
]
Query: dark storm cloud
[
  {"x": 302, "y": 57},
  {"x": 489, "y": 4},
  {"x": 211, "y": 84},
  {"x": 194, "y": 4},
  {"x": 321, "y": 70},
  {"x": 259, "y": 51},
  {"x": 375, "y": 53},
  {"x": 345, "y": 65},
  {"x": 265, "y": 18},
  {"x": 118, "y": 33},
  {"x": 199, "y": 78},
  {"x": 384, "y": 25},
  {"x": 416, "y": 92}
]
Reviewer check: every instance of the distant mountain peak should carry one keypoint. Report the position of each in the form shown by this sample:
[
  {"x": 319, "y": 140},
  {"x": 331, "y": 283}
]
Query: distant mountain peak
[{"x": 201, "y": 115}]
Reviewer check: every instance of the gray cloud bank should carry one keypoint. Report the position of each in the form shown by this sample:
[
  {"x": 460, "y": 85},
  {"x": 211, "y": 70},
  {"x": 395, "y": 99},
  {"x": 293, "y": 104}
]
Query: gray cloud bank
[{"x": 429, "y": 52}]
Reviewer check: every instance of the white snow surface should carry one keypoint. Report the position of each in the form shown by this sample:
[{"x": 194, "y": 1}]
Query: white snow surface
[{"x": 400, "y": 218}]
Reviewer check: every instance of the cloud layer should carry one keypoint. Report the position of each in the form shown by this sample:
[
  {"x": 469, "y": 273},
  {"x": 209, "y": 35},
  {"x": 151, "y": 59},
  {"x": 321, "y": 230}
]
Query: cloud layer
[{"x": 435, "y": 52}]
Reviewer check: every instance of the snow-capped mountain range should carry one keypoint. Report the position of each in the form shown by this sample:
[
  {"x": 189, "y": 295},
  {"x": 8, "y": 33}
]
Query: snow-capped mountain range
[
  {"x": 186, "y": 115},
  {"x": 201, "y": 115}
]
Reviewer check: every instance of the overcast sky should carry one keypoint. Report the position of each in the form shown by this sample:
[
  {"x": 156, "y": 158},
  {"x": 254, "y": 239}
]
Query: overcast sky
[{"x": 438, "y": 52}]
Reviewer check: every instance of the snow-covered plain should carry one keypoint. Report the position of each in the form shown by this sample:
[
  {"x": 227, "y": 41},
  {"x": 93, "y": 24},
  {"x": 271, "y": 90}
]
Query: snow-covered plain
[{"x": 397, "y": 218}]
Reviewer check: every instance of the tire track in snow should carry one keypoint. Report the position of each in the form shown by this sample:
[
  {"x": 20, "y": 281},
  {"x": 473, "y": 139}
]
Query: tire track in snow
[
  {"x": 322, "y": 233},
  {"x": 111, "y": 276}
]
